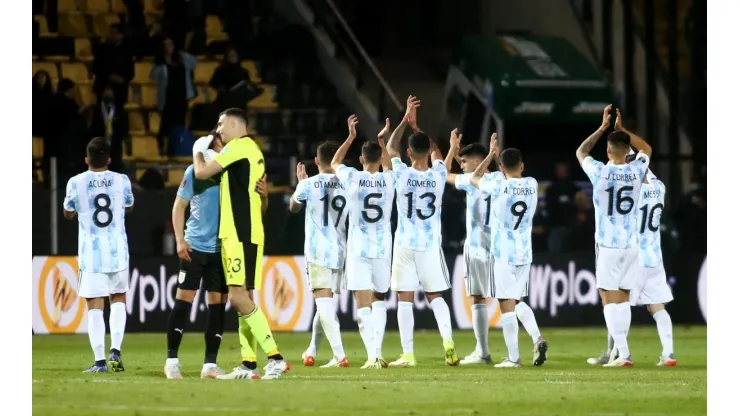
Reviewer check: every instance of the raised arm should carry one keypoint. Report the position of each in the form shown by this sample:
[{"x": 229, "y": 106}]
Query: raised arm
[
  {"x": 638, "y": 142},
  {"x": 483, "y": 166},
  {"x": 585, "y": 148},
  {"x": 455, "y": 139},
  {"x": 297, "y": 201},
  {"x": 385, "y": 158},
  {"x": 201, "y": 168},
  {"x": 344, "y": 148},
  {"x": 394, "y": 143}
]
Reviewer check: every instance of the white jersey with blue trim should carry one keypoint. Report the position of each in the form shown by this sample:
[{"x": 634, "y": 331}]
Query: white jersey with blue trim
[
  {"x": 326, "y": 219},
  {"x": 370, "y": 203},
  {"x": 419, "y": 205},
  {"x": 100, "y": 200},
  {"x": 650, "y": 210},
  {"x": 616, "y": 189},
  {"x": 514, "y": 205},
  {"x": 478, "y": 216}
]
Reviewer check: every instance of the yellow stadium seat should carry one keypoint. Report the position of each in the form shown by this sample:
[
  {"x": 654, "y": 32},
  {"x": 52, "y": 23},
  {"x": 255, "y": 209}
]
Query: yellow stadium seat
[
  {"x": 252, "y": 68},
  {"x": 102, "y": 23},
  {"x": 83, "y": 49},
  {"x": 148, "y": 96},
  {"x": 95, "y": 6},
  {"x": 150, "y": 6},
  {"x": 264, "y": 100},
  {"x": 154, "y": 121},
  {"x": 213, "y": 25},
  {"x": 141, "y": 73},
  {"x": 43, "y": 25},
  {"x": 205, "y": 95},
  {"x": 38, "y": 147},
  {"x": 126, "y": 153},
  {"x": 75, "y": 71},
  {"x": 56, "y": 58},
  {"x": 117, "y": 6},
  {"x": 174, "y": 177},
  {"x": 204, "y": 72},
  {"x": 66, "y": 6},
  {"x": 145, "y": 148},
  {"x": 132, "y": 104},
  {"x": 72, "y": 24},
  {"x": 87, "y": 97},
  {"x": 136, "y": 125},
  {"x": 49, "y": 67},
  {"x": 139, "y": 174}
]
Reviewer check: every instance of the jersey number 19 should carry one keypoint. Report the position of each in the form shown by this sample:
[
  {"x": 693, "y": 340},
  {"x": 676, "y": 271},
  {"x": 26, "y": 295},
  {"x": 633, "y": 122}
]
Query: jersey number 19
[{"x": 337, "y": 204}]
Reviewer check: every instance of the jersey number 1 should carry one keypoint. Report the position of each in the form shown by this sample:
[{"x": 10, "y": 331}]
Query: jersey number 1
[
  {"x": 101, "y": 202},
  {"x": 337, "y": 204}
]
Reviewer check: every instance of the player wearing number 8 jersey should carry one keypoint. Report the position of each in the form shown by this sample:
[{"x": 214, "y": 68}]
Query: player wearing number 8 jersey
[
  {"x": 100, "y": 198},
  {"x": 325, "y": 198},
  {"x": 417, "y": 253}
]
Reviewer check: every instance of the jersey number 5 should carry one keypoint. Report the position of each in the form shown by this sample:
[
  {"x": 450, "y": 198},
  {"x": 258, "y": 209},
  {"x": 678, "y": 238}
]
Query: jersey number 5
[
  {"x": 369, "y": 206},
  {"x": 101, "y": 202},
  {"x": 337, "y": 204},
  {"x": 430, "y": 199}
]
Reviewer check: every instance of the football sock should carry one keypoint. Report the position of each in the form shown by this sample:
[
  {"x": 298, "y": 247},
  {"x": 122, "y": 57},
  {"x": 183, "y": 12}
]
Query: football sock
[
  {"x": 442, "y": 315},
  {"x": 609, "y": 342},
  {"x": 249, "y": 357},
  {"x": 510, "y": 327},
  {"x": 367, "y": 332},
  {"x": 625, "y": 314},
  {"x": 526, "y": 317},
  {"x": 480, "y": 328},
  {"x": 615, "y": 327},
  {"x": 176, "y": 326},
  {"x": 665, "y": 331},
  {"x": 257, "y": 322},
  {"x": 96, "y": 333},
  {"x": 117, "y": 322},
  {"x": 406, "y": 326},
  {"x": 330, "y": 324},
  {"x": 380, "y": 316},
  {"x": 214, "y": 330},
  {"x": 317, "y": 334}
]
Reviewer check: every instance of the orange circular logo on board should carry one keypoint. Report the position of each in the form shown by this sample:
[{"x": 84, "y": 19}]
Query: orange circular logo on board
[
  {"x": 281, "y": 295},
  {"x": 61, "y": 309}
]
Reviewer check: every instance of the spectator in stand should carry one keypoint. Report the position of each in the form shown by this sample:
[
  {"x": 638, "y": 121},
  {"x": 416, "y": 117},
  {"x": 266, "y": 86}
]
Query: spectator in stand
[
  {"x": 582, "y": 234},
  {"x": 173, "y": 74},
  {"x": 63, "y": 111},
  {"x": 41, "y": 102},
  {"x": 560, "y": 206},
  {"x": 111, "y": 121},
  {"x": 113, "y": 65},
  {"x": 232, "y": 81},
  {"x": 75, "y": 138}
]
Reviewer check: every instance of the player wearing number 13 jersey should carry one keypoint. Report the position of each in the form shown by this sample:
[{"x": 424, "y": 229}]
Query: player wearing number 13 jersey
[{"x": 100, "y": 199}]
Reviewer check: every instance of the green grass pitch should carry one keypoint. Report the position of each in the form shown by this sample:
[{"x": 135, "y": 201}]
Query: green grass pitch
[{"x": 565, "y": 385}]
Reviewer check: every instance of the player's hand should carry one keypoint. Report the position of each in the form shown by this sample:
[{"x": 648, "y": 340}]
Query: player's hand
[
  {"x": 202, "y": 144},
  {"x": 384, "y": 132},
  {"x": 455, "y": 139},
  {"x": 607, "y": 117},
  {"x": 412, "y": 103},
  {"x": 352, "y": 126},
  {"x": 618, "y": 123},
  {"x": 183, "y": 250},
  {"x": 261, "y": 187},
  {"x": 494, "y": 144},
  {"x": 300, "y": 170}
]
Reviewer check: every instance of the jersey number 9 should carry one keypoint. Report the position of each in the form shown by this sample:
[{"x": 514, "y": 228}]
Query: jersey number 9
[
  {"x": 518, "y": 209},
  {"x": 101, "y": 202}
]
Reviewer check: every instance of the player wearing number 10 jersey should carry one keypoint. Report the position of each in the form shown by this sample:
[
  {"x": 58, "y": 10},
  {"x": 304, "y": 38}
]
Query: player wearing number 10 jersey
[
  {"x": 325, "y": 198},
  {"x": 100, "y": 198}
]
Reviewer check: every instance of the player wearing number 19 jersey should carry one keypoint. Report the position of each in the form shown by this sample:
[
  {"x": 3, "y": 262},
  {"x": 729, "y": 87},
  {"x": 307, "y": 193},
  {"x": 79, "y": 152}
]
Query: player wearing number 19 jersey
[
  {"x": 100, "y": 199},
  {"x": 325, "y": 198}
]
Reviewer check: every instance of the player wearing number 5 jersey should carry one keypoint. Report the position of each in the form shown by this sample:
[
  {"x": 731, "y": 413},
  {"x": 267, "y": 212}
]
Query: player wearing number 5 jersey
[
  {"x": 616, "y": 187},
  {"x": 325, "y": 198},
  {"x": 417, "y": 254},
  {"x": 100, "y": 199},
  {"x": 370, "y": 201},
  {"x": 514, "y": 201}
]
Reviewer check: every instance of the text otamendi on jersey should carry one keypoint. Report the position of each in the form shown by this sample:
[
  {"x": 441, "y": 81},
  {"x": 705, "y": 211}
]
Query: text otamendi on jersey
[{"x": 330, "y": 185}]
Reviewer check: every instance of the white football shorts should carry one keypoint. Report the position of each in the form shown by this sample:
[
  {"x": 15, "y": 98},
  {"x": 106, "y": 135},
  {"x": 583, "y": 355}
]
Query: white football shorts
[
  {"x": 651, "y": 288},
  {"x": 412, "y": 268},
  {"x": 616, "y": 268},
  {"x": 478, "y": 274},
  {"x": 510, "y": 282},
  {"x": 102, "y": 285},
  {"x": 320, "y": 277},
  {"x": 368, "y": 274}
]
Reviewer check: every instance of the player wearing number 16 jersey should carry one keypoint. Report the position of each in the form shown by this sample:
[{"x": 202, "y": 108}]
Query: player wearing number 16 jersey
[
  {"x": 100, "y": 199},
  {"x": 325, "y": 198}
]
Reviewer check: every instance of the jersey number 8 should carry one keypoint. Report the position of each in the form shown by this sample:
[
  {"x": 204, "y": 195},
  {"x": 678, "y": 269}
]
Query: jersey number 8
[{"x": 101, "y": 202}]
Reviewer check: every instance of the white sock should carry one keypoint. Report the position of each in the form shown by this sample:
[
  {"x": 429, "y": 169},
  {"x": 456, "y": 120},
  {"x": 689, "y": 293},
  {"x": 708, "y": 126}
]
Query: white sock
[
  {"x": 207, "y": 366},
  {"x": 526, "y": 317},
  {"x": 174, "y": 361},
  {"x": 380, "y": 316},
  {"x": 613, "y": 318},
  {"x": 96, "y": 332},
  {"x": 367, "y": 332},
  {"x": 625, "y": 314},
  {"x": 117, "y": 322},
  {"x": 406, "y": 326},
  {"x": 480, "y": 328},
  {"x": 511, "y": 334},
  {"x": 609, "y": 342},
  {"x": 442, "y": 315},
  {"x": 665, "y": 331},
  {"x": 330, "y": 324},
  {"x": 317, "y": 334}
]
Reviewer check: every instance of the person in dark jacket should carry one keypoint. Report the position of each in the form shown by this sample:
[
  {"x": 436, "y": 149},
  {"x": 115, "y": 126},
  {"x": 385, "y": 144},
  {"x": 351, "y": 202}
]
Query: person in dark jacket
[
  {"x": 113, "y": 65},
  {"x": 232, "y": 81},
  {"x": 41, "y": 102},
  {"x": 111, "y": 121}
]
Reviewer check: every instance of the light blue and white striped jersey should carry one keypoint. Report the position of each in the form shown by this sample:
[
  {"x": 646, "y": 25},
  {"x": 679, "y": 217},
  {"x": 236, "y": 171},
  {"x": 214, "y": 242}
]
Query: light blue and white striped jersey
[
  {"x": 615, "y": 189},
  {"x": 514, "y": 204},
  {"x": 326, "y": 219},
  {"x": 100, "y": 200},
  {"x": 370, "y": 199},
  {"x": 478, "y": 217},
  {"x": 650, "y": 210},
  {"x": 201, "y": 229},
  {"x": 419, "y": 204}
]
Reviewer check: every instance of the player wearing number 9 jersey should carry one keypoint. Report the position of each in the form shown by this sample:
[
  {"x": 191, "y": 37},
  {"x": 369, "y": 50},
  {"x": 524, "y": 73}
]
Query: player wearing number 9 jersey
[
  {"x": 325, "y": 198},
  {"x": 100, "y": 199}
]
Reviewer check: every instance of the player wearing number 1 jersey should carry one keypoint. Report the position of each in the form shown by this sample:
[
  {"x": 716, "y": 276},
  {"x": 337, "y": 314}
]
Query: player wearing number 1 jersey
[
  {"x": 100, "y": 198},
  {"x": 325, "y": 198},
  {"x": 417, "y": 253}
]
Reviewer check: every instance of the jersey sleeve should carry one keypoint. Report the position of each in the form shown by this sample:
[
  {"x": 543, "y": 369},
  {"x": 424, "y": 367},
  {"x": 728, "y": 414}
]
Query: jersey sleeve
[
  {"x": 390, "y": 178},
  {"x": 128, "y": 194},
  {"x": 462, "y": 182},
  {"x": 398, "y": 166},
  {"x": 186, "y": 190},
  {"x": 70, "y": 198},
  {"x": 345, "y": 173},
  {"x": 439, "y": 167},
  {"x": 491, "y": 184},
  {"x": 592, "y": 167},
  {"x": 229, "y": 155},
  {"x": 301, "y": 192},
  {"x": 641, "y": 163}
]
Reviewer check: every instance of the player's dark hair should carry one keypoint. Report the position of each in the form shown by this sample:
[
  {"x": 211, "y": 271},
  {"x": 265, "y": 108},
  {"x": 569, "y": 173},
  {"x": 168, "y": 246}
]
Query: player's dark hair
[
  {"x": 371, "y": 152},
  {"x": 216, "y": 136},
  {"x": 419, "y": 143},
  {"x": 98, "y": 151},
  {"x": 619, "y": 139},
  {"x": 235, "y": 112},
  {"x": 325, "y": 152},
  {"x": 630, "y": 158},
  {"x": 511, "y": 158},
  {"x": 475, "y": 149}
]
